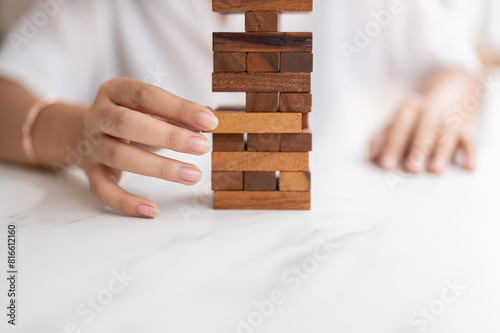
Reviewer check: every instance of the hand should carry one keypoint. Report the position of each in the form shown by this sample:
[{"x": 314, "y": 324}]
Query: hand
[
  {"x": 424, "y": 136},
  {"x": 128, "y": 111}
]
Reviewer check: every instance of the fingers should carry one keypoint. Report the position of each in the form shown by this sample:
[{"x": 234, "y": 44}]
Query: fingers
[
  {"x": 116, "y": 154},
  {"x": 469, "y": 148},
  {"x": 424, "y": 142},
  {"x": 142, "y": 128},
  {"x": 377, "y": 144},
  {"x": 153, "y": 100},
  {"x": 444, "y": 152},
  {"x": 398, "y": 136},
  {"x": 105, "y": 186}
]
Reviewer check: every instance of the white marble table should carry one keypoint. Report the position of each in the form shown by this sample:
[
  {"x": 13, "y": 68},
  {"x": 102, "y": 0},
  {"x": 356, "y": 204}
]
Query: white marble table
[{"x": 421, "y": 255}]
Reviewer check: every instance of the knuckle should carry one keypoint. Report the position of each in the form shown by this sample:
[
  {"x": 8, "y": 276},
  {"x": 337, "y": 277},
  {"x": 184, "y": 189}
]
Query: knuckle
[
  {"x": 119, "y": 120},
  {"x": 172, "y": 138},
  {"x": 165, "y": 170},
  {"x": 185, "y": 111},
  {"x": 142, "y": 94},
  {"x": 113, "y": 154}
]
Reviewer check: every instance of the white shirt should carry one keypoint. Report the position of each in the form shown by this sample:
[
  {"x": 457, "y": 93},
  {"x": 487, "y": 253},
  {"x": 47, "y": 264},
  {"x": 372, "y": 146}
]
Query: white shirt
[{"x": 80, "y": 44}]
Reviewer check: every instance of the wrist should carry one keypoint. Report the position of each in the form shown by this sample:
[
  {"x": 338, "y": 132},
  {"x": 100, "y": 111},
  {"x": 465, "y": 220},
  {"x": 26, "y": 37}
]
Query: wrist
[{"x": 56, "y": 134}]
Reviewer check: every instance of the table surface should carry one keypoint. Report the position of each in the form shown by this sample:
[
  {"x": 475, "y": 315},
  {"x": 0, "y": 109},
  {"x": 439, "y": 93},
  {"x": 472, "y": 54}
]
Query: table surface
[{"x": 379, "y": 252}]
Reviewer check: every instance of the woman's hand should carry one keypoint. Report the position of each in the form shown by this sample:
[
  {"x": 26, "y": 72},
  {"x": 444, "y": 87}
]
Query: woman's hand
[
  {"x": 128, "y": 111},
  {"x": 428, "y": 130}
]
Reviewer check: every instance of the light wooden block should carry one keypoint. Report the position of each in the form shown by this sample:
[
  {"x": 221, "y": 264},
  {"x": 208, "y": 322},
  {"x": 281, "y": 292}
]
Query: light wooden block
[
  {"x": 253, "y": 122},
  {"x": 295, "y": 181},
  {"x": 257, "y": 161},
  {"x": 262, "y": 200},
  {"x": 227, "y": 181}
]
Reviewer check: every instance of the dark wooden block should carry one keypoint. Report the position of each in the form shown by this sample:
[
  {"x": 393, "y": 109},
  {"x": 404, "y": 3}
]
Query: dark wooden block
[
  {"x": 296, "y": 102},
  {"x": 259, "y": 181},
  {"x": 263, "y": 142},
  {"x": 305, "y": 120},
  {"x": 228, "y": 142},
  {"x": 262, "y": 200},
  {"x": 261, "y": 82},
  {"x": 301, "y": 142},
  {"x": 295, "y": 182},
  {"x": 297, "y": 62},
  {"x": 261, "y": 21},
  {"x": 230, "y": 62},
  {"x": 262, "y": 102},
  {"x": 262, "y": 42},
  {"x": 227, "y": 181},
  {"x": 263, "y": 62},
  {"x": 262, "y": 5}
]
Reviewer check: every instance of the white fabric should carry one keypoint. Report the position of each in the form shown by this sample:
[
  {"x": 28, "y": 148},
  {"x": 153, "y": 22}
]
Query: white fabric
[{"x": 85, "y": 43}]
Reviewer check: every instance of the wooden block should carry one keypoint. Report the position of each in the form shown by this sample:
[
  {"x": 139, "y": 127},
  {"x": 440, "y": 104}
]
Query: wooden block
[
  {"x": 256, "y": 161},
  {"x": 263, "y": 142},
  {"x": 262, "y": 102},
  {"x": 305, "y": 120},
  {"x": 262, "y": 42},
  {"x": 262, "y": 200},
  {"x": 230, "y": 62},
  {"x": 261, "y": 82},
  {"x": 227, "y": 181},
  {"x": 261, "y": 21},
  {"x": 295, "y": 181},
  {"x": 295, "y": 102},
  {"x": 242, "y": 122},
  {"x": 259, "y": 181},
  {"x": 297, "y": 62},
  {"x": 263, "y": 62},
  {"x": 301, "y": 142},
  {"x": 262, "y": 5},
  {"x": 228, "y": 142}
]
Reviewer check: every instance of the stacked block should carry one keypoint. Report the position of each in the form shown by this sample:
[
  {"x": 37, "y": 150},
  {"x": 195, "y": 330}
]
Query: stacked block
[{"x": 261, "y": 154}]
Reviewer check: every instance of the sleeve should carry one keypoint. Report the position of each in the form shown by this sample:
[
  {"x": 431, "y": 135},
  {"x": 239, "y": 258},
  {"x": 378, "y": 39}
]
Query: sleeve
[
  {"x": 60, "y": 47},
  {"x": 426, "y": 38}
]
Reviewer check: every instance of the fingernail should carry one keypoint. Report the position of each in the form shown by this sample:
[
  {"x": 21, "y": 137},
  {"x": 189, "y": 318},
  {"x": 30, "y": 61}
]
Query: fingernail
[
  {"x": 190, "y": 174},
  {"x": 200, "y": 145},
  {"x": 389, "y": 162},
  {"x": 148, "y": 211},
  {"x": 439, "y": 163},
  {"x": 206, "y": 120},
  {"x": 417, "y": 162},
  {"x": 470, "y": 163}
]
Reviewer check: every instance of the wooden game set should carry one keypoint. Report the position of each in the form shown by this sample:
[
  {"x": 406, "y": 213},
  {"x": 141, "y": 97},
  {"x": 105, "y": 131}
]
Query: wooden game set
[{"x": 260, "y": 156}]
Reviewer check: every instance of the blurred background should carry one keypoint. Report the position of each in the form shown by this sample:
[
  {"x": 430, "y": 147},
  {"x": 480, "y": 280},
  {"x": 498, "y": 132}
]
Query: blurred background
[{"x": 477, "y": 18}]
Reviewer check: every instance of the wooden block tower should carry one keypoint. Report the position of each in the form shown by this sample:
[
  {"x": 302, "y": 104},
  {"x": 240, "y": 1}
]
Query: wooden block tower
[{"x": 261, "y": 155}]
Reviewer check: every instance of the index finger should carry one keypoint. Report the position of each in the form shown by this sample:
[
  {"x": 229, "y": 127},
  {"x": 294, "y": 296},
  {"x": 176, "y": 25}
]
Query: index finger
[{"x": 146, "y": 98}]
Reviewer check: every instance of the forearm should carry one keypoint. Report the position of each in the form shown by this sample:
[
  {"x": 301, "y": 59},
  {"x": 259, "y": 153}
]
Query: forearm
[{"x": 56, "y": 130}]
